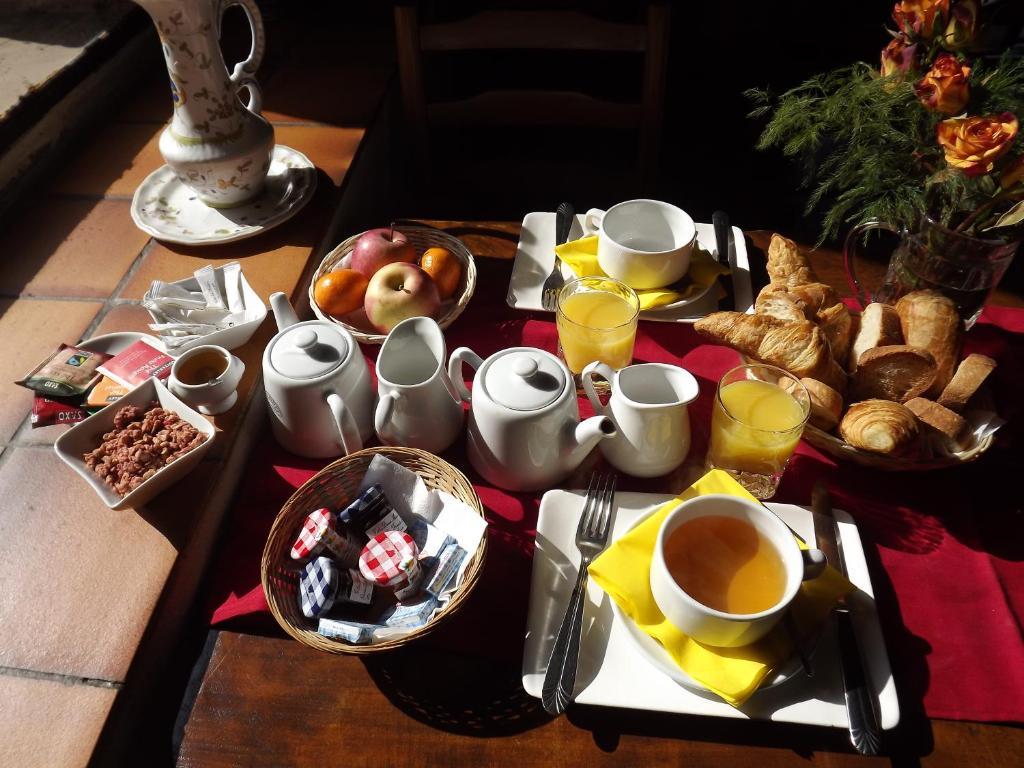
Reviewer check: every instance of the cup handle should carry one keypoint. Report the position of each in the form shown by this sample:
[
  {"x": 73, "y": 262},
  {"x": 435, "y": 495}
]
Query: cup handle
[
  {"x": 242, "y": 74},
  {"x": 592, "y": 221},
  {"x": 385, "y": 407},
  {"x": 814, "y": 563},
  {"x": 606, "y": 373},
  {"x": 350, "y": 439},
  {"x": 850, "y": 255},
  {"x": 460, "y": 356}
]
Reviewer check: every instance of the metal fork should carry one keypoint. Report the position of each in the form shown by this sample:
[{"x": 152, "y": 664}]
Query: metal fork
[
  {"x": 564, "y": 216},
  {"x": 591, "y": 539}
]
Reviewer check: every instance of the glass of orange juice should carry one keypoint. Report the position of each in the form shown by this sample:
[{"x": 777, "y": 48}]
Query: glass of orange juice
[
  {"x": 596, "y": 318},
  {"x": 756, "y": 421}
]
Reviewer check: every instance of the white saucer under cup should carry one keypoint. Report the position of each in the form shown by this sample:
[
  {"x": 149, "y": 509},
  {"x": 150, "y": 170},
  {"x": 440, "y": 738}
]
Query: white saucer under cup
[{"x": 169, "y": 210}]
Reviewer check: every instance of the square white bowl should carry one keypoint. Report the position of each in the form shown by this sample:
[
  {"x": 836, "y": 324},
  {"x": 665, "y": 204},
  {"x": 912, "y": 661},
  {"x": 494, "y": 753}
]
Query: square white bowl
[
  {"x": 87, "y": 435},
  {"x": 229, "y": 338}
]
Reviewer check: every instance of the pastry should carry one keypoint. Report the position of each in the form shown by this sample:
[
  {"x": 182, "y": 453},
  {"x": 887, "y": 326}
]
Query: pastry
[
  {"x": 939, "y": 419},
  {"x": 780, "y": 305},
  {"x": 930, "y": 321},
  {"x": 879, "y": 426},
  {"x": 879, "y": 327},
  {"x": 897, "y": 372},
  {"x": 815, "y": 297},
  {"x": 786, "y": 264},
  {"x": 837, "y": 324},
  {"x": 971, "y": 374},
  {"x": 826, "y": 404},
  {"x": 798, "y": 347}
]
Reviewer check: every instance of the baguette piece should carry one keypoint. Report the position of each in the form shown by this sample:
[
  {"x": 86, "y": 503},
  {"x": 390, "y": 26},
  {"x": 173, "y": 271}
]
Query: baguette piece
[
  {"x": 826, "y": 404},
  {"x": 780, "y": 305},
  {"x": 837, "y": 323},
  {"x": 939, "y": 420},
  {"x": 797, "y": 347},
  {"x": 786, "y": 264},
  {"x": 930, "y": 321},
  {"x": 879, "y": 426},
  {"x": 879, "y": 327},
  {"x": 897, "y": 372},
  {"x": 969, "y": 376}
]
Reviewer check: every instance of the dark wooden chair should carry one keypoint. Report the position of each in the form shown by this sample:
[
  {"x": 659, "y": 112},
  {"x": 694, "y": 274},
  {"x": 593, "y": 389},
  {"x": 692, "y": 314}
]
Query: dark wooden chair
[{"x": 536, "y": 30}]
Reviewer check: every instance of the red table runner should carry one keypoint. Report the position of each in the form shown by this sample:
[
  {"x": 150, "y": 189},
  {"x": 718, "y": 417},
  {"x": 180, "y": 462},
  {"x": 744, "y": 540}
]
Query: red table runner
[{"x": 944, "y": 548}]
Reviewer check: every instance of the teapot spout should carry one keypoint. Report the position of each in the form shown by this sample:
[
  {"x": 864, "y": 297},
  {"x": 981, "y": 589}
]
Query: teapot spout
[
  {"x": 284, "y": 315},
  {"x": 587, "y": 434}
]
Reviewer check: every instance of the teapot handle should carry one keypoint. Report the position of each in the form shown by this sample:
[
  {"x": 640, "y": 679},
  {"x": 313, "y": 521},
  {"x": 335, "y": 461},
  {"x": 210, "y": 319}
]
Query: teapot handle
[
  {"x": 606, "y": 373},
  {"x": 850, "y": 254},
  {"x": 242, "y": 74},
  {"x": 349, "y": 434},
  {"x": 382, "y": 415},
  {"x": 460, "y": 356}
]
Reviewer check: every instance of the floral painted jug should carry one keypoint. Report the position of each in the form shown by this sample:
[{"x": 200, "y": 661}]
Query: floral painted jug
[{"x": 217, "y": 145}]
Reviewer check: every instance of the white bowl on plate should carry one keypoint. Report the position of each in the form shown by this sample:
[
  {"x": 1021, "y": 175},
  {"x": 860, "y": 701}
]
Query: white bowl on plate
[
  {"x": 113, "y": 343},
  {"x": 229, "y": 338},
  {"x": 88, "y": 434}
]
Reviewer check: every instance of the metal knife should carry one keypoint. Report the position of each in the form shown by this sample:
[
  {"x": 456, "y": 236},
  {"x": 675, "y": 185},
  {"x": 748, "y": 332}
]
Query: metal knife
[
  {"x": 720, "y": 220},
  {"x": 865, "y": 733}
]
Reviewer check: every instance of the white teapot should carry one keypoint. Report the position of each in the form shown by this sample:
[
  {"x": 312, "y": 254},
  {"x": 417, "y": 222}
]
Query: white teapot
[
  {"x": 524, "y": 430},
  {"x": 318, "y": 386}
]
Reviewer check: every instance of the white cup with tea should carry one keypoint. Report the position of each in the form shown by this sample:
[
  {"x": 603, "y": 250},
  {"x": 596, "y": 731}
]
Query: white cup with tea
[
  {"x": 643, "y": 243},
  {"x": 206, "y": 378},
  {"x": 725, "y": 569}
]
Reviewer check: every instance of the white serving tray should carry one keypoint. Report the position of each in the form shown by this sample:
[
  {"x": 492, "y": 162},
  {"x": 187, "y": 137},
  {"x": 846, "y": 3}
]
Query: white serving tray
[
  {"x": 535, "y": 256},
  {"x": 613, "y": 673}
]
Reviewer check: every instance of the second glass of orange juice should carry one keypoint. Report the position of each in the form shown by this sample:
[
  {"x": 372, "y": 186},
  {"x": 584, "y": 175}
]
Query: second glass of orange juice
[
  {"x": 756, "y": 421},
  {"x": 596, "y": 318}
]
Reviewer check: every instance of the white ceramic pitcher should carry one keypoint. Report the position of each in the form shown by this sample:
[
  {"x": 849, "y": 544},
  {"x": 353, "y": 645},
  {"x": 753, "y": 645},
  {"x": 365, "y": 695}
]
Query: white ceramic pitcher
[
  {"x": 649, "y": 407},
  {"x": 418, "y": 406}
]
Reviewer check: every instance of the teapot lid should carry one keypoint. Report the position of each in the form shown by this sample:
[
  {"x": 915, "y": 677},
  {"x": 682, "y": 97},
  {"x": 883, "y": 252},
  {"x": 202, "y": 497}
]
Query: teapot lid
[
  {"x": 309, "y": 350},
  {"x": 524, "y": 379}
]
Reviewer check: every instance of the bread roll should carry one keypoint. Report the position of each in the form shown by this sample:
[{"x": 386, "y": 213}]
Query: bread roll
[
  {"x": 930, "y": 321},
  {"x": 837, "y": 324},
  {"x": 797, "y": 347},
  {"x": 786, "y": 264},
  {"x": 879, "y": 426},
  {"x": 939, "y": 420},
  {"x": 971, "y": 374},
  {"x": 897, "y": 372},
  {"x": 826, "y": 404},
  {"x": 879, "y": 327},
  {"x": 779, "y": 305}
]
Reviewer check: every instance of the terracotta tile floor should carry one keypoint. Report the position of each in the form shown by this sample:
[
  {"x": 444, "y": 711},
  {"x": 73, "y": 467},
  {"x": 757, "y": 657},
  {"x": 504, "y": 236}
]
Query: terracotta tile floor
[{"x": 75, "y": 267}]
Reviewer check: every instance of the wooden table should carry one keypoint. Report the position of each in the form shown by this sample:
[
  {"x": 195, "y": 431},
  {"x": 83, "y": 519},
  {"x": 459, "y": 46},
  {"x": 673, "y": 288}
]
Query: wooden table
[{"x": 271, "y": 701}]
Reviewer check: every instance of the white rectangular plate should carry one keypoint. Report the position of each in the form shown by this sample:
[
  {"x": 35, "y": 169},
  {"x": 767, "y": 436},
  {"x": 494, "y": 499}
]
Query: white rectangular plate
[
  {"x": 536, "y": 255},
  {"x": 613, "y": 673}
]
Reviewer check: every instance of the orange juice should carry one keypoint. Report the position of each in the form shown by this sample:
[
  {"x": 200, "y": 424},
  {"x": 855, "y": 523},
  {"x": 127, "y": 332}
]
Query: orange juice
[
  {"x": 596, "y": 325},
  {"x": 755, "y": 426}
]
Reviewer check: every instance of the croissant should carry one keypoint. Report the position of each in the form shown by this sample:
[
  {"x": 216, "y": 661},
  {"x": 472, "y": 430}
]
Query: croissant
[
  {"x": 780, "y": 305},
  {"x": 879, "y": 426},
  {"x": 786, "y": 264},
  {"x": 798, "y": 347},
  {"x": 930, "y": 321},
  {"x": 826, "y": 404},
  {"x": 837, "y": 323},
  {"x": 816, "y": 297}
]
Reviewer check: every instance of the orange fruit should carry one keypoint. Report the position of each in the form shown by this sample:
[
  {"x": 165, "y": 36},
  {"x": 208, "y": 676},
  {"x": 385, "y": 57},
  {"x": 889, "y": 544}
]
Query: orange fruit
[
  {"x": 340, "y": 292},
  {"x": 445, "y": 268}
]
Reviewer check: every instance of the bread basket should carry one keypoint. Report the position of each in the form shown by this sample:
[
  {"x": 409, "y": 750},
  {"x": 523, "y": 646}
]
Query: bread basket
[
  {"x": 337, "y": 484},
  {"x": 838, "y": 448},
  {"x": 421, "y": 238}
]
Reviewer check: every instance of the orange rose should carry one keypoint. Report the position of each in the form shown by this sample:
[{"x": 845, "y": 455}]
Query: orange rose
[
  {"x": 944, "y": 89},
  {"x": 1013, "y": 173},
  {"x": 973, "y": 144},
  {"x": 921, "y": 18},
  {"x": 898, "y": 56},
  {"x": 963, "y": 23}
]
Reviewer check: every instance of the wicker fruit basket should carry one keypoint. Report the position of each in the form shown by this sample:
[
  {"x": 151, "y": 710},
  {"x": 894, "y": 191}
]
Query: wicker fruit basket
[
  {"x": 422, "y": 238},
  {"x": 335, "y": 484}
]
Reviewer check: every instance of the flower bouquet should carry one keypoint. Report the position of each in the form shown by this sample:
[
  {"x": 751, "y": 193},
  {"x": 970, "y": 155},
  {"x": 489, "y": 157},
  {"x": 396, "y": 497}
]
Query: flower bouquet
[{"x": 933, "y": 133}]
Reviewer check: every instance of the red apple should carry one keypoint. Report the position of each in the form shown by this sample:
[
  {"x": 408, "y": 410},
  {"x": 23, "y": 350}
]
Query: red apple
[
  {"x": 397, "y": 292},
  {"x": 379, "y": 247}
]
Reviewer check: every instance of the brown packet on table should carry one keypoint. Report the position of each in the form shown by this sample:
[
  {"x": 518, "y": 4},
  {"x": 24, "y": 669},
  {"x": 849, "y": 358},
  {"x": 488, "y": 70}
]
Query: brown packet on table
[{"x": 67, "y": 372}]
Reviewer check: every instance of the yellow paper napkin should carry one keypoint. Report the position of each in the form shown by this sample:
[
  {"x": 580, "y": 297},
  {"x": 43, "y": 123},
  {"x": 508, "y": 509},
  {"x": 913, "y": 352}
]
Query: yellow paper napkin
[
  {"x": 581, "y": 256},
  {"x": 623, "y": 571}
]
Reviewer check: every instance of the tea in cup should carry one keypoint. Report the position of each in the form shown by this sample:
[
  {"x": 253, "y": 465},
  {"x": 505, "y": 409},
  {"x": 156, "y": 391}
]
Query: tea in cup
[
  {"x": 725, "y": 569},
  {"x": 207, "y": 378},
  {"x": 643, "y": 243}
]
